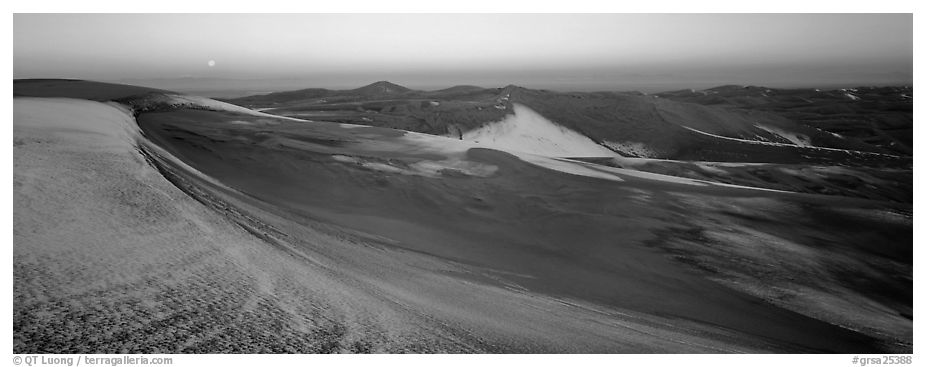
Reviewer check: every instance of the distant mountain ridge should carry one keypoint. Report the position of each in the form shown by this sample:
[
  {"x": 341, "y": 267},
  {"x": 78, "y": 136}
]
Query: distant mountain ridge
[
  {"x": 373, "y": 90},
  {"x": 380, "y": 88},
  {"x": 681, "y": 124}
]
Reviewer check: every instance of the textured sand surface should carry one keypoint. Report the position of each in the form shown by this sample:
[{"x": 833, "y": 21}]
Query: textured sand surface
[
  {"x": 545, "y": 229},
  {"x": 111, "y": 257},
  {"x": 233, "y": 232}
]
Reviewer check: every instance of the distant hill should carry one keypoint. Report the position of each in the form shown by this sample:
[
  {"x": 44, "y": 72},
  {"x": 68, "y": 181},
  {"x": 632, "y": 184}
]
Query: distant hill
[{"x": 380, "y": 88}]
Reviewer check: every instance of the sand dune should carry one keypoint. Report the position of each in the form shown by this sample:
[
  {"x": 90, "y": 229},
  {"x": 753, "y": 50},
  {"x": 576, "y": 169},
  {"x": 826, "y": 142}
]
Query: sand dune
[
  {"x": 229, "y": 231},
  {"x": 559, "y": 232},
  {"x": 528, "y": 132},
  {"x": 102, "y": 236}
]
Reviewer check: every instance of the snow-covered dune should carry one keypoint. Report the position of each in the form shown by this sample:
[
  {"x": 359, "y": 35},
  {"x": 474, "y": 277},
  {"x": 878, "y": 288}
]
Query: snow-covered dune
[
  {"x": 208, "y": 103},
  {"x": 800, "y": 140},
  {"x": 105, "y": 126},
  {"x": 529, "y": 132},
  {"x": 101, "y": 235}
]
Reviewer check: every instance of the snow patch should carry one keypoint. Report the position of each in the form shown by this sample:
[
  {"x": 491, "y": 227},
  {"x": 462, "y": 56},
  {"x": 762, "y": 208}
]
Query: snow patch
[
  {"x": 654, "y": 176},
  {"x": 800, "y": 140},
  {"x": 437, "y": 168},
  {"x": 528, "y": 132},
  {"x": 212, "y": 104},
  {"x": 856, "y": 152},
  {"x": 569, "y": 166},
  {"x": 710, "y": 168},
  {"x": 630, "y": 148},
  {"x": 427, "y": 168}
]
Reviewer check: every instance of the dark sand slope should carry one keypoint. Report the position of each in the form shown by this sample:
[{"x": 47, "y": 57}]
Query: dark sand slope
[{"x": 277, "y": 235}]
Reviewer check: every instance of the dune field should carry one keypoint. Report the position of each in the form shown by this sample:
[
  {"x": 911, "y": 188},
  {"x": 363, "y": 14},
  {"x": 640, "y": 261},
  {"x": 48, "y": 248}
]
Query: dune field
[{"x": 148, "y": 221}]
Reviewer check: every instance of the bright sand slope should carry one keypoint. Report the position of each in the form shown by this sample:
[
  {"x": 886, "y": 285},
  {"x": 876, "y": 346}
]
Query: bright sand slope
[
  {"x": 527, "y": 131},
  {"x": 111, "y": 257}
]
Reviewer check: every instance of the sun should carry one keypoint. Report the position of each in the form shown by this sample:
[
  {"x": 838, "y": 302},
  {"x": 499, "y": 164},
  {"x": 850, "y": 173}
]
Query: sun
[{"x": 211, "y": 63}]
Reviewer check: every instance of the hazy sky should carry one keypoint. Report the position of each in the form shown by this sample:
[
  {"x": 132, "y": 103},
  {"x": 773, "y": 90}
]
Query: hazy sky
[{"x": 572, "y": 51}]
